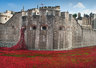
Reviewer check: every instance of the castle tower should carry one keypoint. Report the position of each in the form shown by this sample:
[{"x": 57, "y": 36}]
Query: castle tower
[
  {"x": 79, "y": 15},
  {"x": 46, "y": 31},
  {"x": 55, "y": 11},
  {"x": 4, "y": 17}
]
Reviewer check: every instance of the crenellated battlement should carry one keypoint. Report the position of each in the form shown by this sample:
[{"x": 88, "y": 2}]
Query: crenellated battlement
[{"x": 50, "y": 7}]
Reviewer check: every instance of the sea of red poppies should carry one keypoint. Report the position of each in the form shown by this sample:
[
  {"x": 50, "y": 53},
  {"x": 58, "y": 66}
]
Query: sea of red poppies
[{"x": 76, "y": 58}]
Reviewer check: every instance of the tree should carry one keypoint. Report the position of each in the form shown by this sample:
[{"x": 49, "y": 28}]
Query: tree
[{"x": 75, "y": 15}]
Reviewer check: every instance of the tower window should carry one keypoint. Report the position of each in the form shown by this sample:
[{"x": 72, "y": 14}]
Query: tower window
[
  {"x": 5, "y": 18},
  {"x": 34, "y": 27},
  {"x": 24, "y": 18},
  {"x": 12, "y": 26},
  {"x": 61, "y": 28},
  {"x": 44, "y": 28}
]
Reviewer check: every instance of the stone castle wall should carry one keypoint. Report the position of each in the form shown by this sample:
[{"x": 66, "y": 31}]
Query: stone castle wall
[
  {"x": 83, "y": 37},
  {"x": 89, "y": 38},
  {"x": 58, "y": 31},
  {"x": 10, "y": 32}
]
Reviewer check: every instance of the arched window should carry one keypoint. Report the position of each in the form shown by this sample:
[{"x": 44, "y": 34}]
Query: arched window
[
  {"x": 5, "y": 18},
  {"x": 34, "y": 27},
  {"x": 13, "y": 26},
  {"x": 44, "y": 27},
  {"x": 61, "y": 28}
]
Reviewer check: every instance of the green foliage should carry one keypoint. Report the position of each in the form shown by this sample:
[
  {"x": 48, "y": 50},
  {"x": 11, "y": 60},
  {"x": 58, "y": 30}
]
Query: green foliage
[{"x": 75, "y": 15}]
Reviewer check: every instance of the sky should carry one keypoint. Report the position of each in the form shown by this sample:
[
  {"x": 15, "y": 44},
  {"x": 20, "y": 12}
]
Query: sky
[{"x": 72, "y": 6}]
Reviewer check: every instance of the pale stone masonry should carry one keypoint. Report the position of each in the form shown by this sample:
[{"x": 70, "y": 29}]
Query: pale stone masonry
[
  {"x": 4, "y": 17},
  {"x": 49, "y": 29}
]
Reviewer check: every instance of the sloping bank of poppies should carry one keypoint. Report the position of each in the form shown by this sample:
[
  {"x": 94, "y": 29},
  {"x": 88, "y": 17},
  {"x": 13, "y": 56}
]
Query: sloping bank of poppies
[
  {"x": 77, "y": 58},
  {"x": 20, "y": 45}
]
